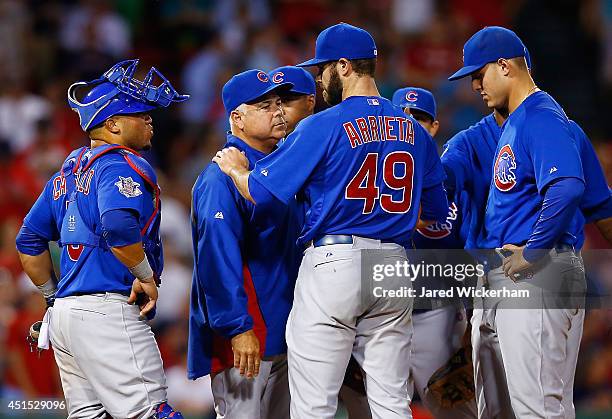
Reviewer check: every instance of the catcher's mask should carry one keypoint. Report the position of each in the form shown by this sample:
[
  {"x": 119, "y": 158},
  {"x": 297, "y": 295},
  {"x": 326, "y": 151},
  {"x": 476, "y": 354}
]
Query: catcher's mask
[{"x": 118, "y": 92}]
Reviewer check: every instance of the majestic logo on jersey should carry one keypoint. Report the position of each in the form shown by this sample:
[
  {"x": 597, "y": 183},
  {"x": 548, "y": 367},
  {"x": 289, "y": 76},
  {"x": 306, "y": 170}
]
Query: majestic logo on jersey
[
  {"x": 278, "y": 77},
  {"x": 503, "y": 170},
  {"x": 219, "y": 215},
  {"x": 264, "y": 172},
  {"x": 412, "y": 96},
  {"x": 439, "y": 230},
  {"x": 74, "y": 251},
  {"x": 552, "y": 170},
  {"x": 128, "y": 187},
  {"x": 263, "y": 77}
]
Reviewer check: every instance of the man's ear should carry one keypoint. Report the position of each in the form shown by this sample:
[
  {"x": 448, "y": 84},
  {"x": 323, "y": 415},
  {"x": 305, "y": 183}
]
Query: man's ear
[
  {"x": 111, "y": 124},
  {"x": 435, "y": 126},
  {"x": 344, "y": 67},
  {"x": 237, "y": 121},
  {"x": 312, "y": 101},
  {"x": 504, "y": 66}
]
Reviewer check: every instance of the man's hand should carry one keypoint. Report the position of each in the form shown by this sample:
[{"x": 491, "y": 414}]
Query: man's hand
[
  {"x": 230, "y": 159},
  {"x": 246, "y": 353},
  {"x": 516, "y": 263},
  {"x": 148, "y": 288},
  {"x": 235, "y": 164}
]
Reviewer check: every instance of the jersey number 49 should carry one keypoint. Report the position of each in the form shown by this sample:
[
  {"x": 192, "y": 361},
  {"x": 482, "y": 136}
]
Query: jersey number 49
[{"x": 363, "y": 185}]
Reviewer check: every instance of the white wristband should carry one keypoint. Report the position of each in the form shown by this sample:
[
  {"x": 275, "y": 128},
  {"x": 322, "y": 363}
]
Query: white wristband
[
  {"x": 142, "y": 271},
  {"x": 48, "y": 289}
]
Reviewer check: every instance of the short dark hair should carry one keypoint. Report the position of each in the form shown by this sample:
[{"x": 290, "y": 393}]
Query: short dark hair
[
  {"x": 364, "y": 67},
  {"x": 420, "y": 115},
  {"x": 520, "y": 62}
]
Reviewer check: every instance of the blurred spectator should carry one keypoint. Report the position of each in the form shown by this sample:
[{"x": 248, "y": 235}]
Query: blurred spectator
[
  {"x": 199, "y": 78},
  {"x": 20, "y": 110},
  {"x": 92, "y": 24},
  {"x": 412, "y": 16}
]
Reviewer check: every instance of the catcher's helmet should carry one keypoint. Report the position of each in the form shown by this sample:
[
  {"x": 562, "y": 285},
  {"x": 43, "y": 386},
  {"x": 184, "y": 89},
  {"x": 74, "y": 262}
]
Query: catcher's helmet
[{"x": 118, "y": 92}]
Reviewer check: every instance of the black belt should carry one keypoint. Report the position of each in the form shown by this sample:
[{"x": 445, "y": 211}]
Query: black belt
[{"x": 495, "y": 261}]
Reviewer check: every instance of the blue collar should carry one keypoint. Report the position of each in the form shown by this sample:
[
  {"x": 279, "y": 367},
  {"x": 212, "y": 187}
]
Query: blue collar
[{"x": 252, "y": 154}]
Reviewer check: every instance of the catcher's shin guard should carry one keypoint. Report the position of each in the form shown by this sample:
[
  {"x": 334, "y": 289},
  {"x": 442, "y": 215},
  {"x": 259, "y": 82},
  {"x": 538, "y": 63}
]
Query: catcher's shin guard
[{"x": 165, "y": 411}]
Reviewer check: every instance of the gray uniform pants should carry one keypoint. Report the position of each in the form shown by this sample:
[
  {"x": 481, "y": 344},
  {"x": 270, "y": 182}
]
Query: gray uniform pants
[
  {"x": 108, "y": 358},
  {"x": 525, "y": 350},
  {"x": 331, "y": 319},
  {"x": 263, "y": 397}
]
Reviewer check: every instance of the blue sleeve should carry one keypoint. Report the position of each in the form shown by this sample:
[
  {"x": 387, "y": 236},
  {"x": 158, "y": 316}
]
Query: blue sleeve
[
  {"x": 30, "y": 243},
  {"x": 434, "y": 172},
  {"x": 120, "y": 187},
  {"x": 217, "y": 227},
  {"x": 596, "y": 190},
  {"x": 456, "y": 161},
  {"x": 41, "y": 219},
  {"x": 434, "y": 203},
  {"x": 285, "y": 171},
  {"x": 552, "y": 149},
  {"x": 561, "y": 201},
  {"x": 120, "y": 227}
]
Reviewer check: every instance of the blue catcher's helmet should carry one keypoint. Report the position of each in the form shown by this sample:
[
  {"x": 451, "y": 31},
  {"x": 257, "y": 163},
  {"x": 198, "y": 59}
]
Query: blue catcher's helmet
[{"x": 118, "y": 92}]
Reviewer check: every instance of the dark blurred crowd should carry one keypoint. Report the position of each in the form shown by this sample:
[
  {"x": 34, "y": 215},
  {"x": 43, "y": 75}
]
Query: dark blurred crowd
[{"x": 199, "y": 44}]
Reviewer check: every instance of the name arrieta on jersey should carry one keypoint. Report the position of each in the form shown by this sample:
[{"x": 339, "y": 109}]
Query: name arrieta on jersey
[{"x": 503, "y": 170}]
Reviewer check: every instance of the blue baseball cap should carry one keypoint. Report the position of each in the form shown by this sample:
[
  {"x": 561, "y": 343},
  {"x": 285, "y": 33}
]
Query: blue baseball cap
[
  {"x": 342, "y": 41},
  {"x": 303, "y": 82},
  {"x": 246, "y": 87},
  {"x": 415, "y": 98},
  {"x": 489, "y": 45}
]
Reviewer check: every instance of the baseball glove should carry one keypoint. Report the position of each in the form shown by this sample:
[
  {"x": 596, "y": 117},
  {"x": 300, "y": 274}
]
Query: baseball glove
[{"x": 453, "y": 383}]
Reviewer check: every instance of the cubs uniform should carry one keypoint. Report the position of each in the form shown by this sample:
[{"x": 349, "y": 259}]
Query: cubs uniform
[
  {"x": 107, "y": 355},
  {"x": 363, "y": 166},
  {"x": 245, "y": 266},
  {"x": 439, "y": 323},
  {"x": 535, "y": 345}
]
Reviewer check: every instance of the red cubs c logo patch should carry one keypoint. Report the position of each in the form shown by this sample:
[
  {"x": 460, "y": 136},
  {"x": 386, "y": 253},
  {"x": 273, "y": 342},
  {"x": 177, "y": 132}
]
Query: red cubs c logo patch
[
  {"x": 263, "y": 77},
  {"x": 412, "y": 96},
  {"x": 278, "y": 77},
  {"x": 503, "y": 170},
  {"x": 74, "y": 251}
]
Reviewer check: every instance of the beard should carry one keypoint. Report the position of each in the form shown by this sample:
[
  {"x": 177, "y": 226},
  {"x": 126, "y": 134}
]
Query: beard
[{"x": 334, "y": 88}]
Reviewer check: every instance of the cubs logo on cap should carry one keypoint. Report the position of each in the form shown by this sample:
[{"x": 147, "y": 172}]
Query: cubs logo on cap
[
  {"x": 503, "y": 170},
  {"x": 302, "y": 80},
  {"x": 263, "y": 77},
  {"x": 412, "y": 96},
  {"x": 415, "y": 98}
]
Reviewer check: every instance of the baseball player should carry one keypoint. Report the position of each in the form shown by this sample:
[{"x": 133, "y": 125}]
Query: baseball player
[
  {"x": 299, "y": 101},
  {"x": 439, "y": 323},
  {"x": 468, "y": 158},
  {"x": 362, "y": 166},
  {"x": 103, "y": 208},
  {"x": 530, "y": 212},
  {"x": 246, "y": 262}
]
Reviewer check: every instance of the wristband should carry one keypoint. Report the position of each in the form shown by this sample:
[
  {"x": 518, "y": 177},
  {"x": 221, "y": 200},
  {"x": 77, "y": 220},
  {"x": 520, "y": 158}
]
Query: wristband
[
  {"x": 142, "y": 271},
  {"x": 48, "y": 289}
]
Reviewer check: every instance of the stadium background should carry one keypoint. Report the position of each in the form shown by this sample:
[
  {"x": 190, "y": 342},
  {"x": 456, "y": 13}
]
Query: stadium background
[{"x": 199, "y": 44}]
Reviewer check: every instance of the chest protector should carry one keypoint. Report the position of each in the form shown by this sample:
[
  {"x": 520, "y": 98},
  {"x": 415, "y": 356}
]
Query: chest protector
[{"x": 76, "y": 232}]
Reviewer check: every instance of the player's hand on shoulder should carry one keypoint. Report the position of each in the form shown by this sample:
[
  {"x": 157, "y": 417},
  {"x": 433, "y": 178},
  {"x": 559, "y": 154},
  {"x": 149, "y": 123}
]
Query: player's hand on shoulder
[
  {"x": 149, "y": 289},
  {"x": 231, "y": 158},
  {"x": 246, "y": 353}
]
